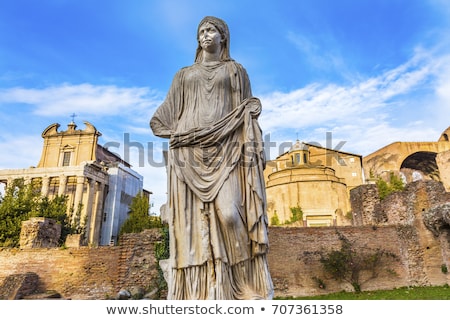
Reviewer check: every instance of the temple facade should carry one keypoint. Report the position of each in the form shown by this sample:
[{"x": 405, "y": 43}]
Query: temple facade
[{"x": 99, "y": 185}]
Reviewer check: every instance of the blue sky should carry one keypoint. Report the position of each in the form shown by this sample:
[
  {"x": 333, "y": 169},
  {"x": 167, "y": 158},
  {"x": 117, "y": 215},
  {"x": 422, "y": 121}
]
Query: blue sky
[{"x": 369, "y": 72}]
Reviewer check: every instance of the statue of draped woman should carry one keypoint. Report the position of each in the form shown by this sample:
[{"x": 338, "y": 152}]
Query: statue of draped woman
[{"x": 216, "y": 206}]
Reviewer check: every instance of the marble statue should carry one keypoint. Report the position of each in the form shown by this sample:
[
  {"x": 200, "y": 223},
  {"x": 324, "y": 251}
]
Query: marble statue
[{"x": 216, "y": 206}]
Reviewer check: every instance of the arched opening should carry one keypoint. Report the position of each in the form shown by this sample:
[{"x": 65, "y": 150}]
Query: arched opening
[
  {"x": 445, "y": 135},
  {"x": 420, "y": 166}
]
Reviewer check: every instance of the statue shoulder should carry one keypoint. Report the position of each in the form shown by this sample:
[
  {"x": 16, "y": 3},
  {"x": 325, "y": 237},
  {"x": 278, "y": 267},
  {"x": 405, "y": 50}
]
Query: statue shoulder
[
  {"x": 183, "y": 70},
  {"x": 236, "y": 64},
  {"x": 180, "y": 75},
  {"x": 186, "y": 70},
  {"x": 237, "y": 67}
]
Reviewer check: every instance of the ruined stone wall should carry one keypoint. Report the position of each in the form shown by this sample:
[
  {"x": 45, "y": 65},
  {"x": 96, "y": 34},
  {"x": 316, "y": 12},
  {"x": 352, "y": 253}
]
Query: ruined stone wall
[
  {"x": 407, "y": 206},
  {"x": 294, "y": 256},
  {"x": 365, "y": 201},
  {"x": 40, "y": 233},
  {"x": 424, "y": 253},
  {"x": 99, "y": 273},
  {"x": 443, "y": 163},
  {"x": 82, "y": 273},
  {"x": 87, "y": 273},
  {"x": 137, "y": 263},
  {"x": 403, "y": 207}
]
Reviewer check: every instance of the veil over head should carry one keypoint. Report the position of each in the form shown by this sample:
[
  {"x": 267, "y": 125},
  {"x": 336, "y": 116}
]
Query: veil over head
[{"x": 223, "y": 29}]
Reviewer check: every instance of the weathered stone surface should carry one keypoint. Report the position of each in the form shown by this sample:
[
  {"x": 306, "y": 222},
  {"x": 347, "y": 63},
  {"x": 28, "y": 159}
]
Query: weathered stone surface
[
  {"x": 17, "y": 286},
  {"x": 437, "y": 217},
  {"x": 40, "y": 233},
  {"x": 443, "y": 163},
  {"x": 405, "y": 207},
  {"x": 75, "y": 241},
  {"x": 365, "y": 202}
]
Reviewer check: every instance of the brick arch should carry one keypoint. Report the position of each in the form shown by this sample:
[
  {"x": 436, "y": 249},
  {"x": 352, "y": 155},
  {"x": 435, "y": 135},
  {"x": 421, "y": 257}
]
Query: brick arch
[{"x": 423, "y": 162}]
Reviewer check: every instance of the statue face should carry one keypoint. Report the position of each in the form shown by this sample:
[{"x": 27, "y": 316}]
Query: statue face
[{"x": 209, "y": 38}]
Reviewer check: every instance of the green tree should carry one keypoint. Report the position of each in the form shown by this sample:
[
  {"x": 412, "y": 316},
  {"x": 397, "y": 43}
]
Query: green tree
[
  {"x": 139, "y": 218},
  {"x": 15, "y": 207},
  {"x": 56, "y": 209},
  {"x": 23, "y": 201}
]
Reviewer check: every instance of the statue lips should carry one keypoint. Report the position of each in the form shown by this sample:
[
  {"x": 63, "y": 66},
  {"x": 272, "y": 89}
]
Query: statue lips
[{"x": 206, "y": 41}]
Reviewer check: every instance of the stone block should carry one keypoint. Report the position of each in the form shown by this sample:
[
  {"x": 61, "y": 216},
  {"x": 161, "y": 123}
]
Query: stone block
[{"x": 40, "y": 232}]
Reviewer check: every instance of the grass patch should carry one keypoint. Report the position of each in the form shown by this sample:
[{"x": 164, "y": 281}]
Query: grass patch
[{"x": 404, "y": 293}]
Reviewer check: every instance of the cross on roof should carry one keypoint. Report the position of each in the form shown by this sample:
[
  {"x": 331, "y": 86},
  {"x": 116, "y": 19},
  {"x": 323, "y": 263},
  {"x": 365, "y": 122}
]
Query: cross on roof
[{"x": 73, "y": 115}]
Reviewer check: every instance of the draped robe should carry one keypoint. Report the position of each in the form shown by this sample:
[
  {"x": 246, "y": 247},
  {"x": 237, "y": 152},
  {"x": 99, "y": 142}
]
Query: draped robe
[{"x": 216, "y": 195}]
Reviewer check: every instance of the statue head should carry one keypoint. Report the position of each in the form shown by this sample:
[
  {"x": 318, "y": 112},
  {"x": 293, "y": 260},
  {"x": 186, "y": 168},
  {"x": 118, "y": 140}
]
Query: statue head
[{"x": 223, "y": 29}]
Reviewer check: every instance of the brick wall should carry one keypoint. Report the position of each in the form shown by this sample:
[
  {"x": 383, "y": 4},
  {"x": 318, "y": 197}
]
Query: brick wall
[
  {"x": 294, "y": 258},
  {"x": 99, "y": 273},
  {"x": 88, "y": 273}
]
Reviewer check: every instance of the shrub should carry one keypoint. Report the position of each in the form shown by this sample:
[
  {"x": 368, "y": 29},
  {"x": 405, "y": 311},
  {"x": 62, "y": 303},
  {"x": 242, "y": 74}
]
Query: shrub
[
  {"x": 386, "y": 188},
  {"x": 297, "y": 214},
  {"x": 275, "y": 221},
  {"x": 348, "y": 263}
]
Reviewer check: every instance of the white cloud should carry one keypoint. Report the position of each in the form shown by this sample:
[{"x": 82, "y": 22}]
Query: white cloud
[
  {"x": 83, "y": 98},
  {"x": 368, "y": 136},
  {"x": 20, "y": 151},
  {"x": 316, "y": 104},
  {"x": 442, "y": 90},
  {"x": 370, "y": 113}
]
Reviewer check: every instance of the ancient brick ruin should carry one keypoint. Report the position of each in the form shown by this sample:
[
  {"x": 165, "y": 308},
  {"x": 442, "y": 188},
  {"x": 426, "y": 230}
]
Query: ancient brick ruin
[{"x": 412, "y": 224}]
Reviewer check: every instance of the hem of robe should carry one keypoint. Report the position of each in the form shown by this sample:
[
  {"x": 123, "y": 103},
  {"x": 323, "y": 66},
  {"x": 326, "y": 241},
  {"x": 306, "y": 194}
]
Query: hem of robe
[{"x": 216, "y": 280}]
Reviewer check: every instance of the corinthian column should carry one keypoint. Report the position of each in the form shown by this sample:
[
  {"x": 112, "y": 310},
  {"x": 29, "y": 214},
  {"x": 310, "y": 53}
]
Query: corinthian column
[
  {"x": 78, "y": 199},
  {"x": 62, "y": 185},
  {"x": 89, "y": 203},
  {"x": 45, "y": 184},
  {"x": 95, "y": 219}
]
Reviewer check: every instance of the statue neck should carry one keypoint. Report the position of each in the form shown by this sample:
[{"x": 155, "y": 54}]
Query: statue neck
[{"x": 211, "y": 56}]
